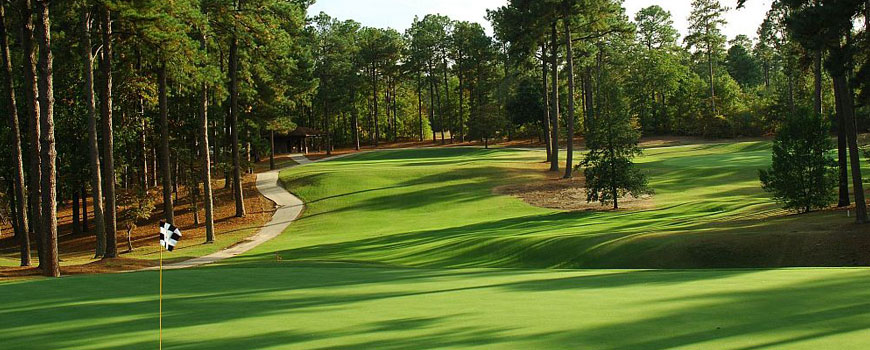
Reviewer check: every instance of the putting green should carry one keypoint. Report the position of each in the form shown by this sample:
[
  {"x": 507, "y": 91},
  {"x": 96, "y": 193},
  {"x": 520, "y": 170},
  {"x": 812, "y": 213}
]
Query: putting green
[{"x": 398, "y": 249}]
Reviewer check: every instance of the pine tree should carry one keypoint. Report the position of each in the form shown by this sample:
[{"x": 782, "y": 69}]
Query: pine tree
[
  {"x": 613, "y": 143},
  {"x": 802, "y": 175}
]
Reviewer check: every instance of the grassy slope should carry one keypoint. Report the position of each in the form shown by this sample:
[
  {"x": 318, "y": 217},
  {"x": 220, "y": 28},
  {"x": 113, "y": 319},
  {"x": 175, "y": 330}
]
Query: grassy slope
[
  {"x": 255, "y": 302},
  {"x": 435, "y": 208}
]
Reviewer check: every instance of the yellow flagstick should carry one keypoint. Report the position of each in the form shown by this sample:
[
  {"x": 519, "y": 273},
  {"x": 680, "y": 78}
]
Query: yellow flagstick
[{"x": 160, "y": 347}]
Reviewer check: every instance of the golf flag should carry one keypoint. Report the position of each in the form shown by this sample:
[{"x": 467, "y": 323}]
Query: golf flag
[{"x": 169, "y": 236}]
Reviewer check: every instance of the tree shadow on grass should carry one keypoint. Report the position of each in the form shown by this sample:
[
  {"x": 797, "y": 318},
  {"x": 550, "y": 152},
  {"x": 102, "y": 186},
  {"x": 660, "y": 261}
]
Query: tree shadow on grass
[{"x": 708, "y": 306}]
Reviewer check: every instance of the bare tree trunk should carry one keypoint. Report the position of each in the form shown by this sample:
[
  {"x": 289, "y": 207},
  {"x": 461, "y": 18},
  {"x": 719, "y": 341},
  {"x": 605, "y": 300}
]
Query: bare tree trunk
[
  {"x": 31, "y": 98},
  {"x": 420, "y": 105},
  {"x": 712, "y": 86},
  {"x": 375, "y": 120},
  {"x": 76, "y": 223},
  {"x": 589, "y": 100},
  {"x": 165, "y": 169},
  {"x": 206, "y": 165},
  {"x": 554, "y": 115},
  {"x": 234, "y": 127},
  {"x": 461, "y": 121},
  {"x": 110, "y": 208},
  {"x": 845, "y": 106},
  {"x": 20, "y": 195},
  {"x": 440, "y": 108},
  {"x": 48, "y": 154},
  {"x": 447, "y": 96},
  {"x": 569, "y": 53},
  {"x": 817, "y": 82},
  {"x": 842, "y": 161},
  {"x": 143, "y": 143},
  {"x": 395, "y": 111},
  {"x": 84, "y": 197},
  {"x": 271, "y": 149},
  {"x": 545, "y": 123},
  {"x": 355, "y": 125},
  {"x": 432, "y": 106}
]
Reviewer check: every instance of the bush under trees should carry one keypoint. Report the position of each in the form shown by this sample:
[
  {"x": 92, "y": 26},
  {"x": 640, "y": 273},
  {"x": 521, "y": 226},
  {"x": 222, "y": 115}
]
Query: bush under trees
[{"x": 802, "y": 175}]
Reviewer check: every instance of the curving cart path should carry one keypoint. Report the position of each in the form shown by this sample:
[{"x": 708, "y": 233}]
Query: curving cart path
[{"x": 288, "y": 208}]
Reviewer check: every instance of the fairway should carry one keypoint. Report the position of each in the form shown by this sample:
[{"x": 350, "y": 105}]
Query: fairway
[
  {"x": 418, "y": 252},
  {"x": 436, "y": 208}
]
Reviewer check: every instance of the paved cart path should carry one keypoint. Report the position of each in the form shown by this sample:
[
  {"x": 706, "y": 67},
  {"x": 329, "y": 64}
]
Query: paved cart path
[{"x": 288, "y": 208}]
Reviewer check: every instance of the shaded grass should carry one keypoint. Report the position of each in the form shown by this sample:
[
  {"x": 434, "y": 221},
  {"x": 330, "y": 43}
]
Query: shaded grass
[{"x": 329, "y": 306}]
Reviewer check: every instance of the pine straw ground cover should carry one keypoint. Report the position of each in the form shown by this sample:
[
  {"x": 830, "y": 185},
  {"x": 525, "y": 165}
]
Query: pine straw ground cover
[{"x": 76, "y": 251}]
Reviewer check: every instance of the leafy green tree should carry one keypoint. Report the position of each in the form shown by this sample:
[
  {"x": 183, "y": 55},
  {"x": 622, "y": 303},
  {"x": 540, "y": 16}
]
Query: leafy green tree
[
  {"x": 741, "y": 64},
  {"x": 802, "y": 175},
  {"x": 829, "y": 25},
  {"x": 660, "y": 72},
  {"x": 526, "y": 102},
  {"x": 705, "y": 36}
]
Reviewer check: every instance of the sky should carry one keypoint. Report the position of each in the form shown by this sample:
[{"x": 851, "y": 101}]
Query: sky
[{"x": 398, "y": 14}]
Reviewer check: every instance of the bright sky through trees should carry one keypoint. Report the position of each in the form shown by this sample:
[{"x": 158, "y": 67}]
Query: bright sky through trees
[{"x": 398, "y": 14}]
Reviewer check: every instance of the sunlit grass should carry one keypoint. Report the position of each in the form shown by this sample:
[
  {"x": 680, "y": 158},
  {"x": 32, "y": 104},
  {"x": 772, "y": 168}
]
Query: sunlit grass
[{"x": 436, "y": 208}]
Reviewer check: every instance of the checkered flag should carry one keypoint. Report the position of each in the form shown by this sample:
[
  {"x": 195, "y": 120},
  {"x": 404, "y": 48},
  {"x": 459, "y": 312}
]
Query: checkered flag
[{"x": 169, "y": 236}]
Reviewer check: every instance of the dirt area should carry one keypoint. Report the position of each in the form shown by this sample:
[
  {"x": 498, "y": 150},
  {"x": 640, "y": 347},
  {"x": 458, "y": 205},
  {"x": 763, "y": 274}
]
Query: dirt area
[
  {"x": 551, "y": 191},
  {"x": 76, "y": 251}
]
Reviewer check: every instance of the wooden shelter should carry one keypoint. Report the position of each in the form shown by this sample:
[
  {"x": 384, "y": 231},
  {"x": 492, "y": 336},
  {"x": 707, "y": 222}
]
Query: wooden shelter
[{"x": 301, "y": 140}]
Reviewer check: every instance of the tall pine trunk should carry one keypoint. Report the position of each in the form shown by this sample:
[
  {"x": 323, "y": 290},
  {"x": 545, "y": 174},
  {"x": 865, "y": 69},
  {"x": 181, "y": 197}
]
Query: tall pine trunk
[
  {"x": 432, "y": 105},
  {"x": 76, "y": 219},
  {"x": 234, "y": 127},
  {"x": 842, "y": 161},
  {"x": 206, "y": 164},
  {"x": 375, "y": 118},
  {"x": 165, "y": 169},
  {"x": 569, "y": 56},
  {"x": 110, "y": 210},
  {"x": 355, "y": 116},
  {"x": 31, "y": 99},
  {"x": 84, "y": 196},
  {"x": 461, "y": 121},
  {"x": 20, "y": 195},
  {"x": 845, "y": 106},
  {"x": 588, "y": 99},
  {"x": 450, "y": 120},
  {"x": 545, "y": 123},
  {"x": 712, "y": 85},
  {"x": 420, "y": 105},
  {"x": 47, "y": 153},
  {"x": 554, "y": 105},
  {"x": 93, "y": 147}
]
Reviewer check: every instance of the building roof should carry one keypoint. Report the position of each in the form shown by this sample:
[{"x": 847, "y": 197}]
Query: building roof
[{"x": 303, "y": 131}]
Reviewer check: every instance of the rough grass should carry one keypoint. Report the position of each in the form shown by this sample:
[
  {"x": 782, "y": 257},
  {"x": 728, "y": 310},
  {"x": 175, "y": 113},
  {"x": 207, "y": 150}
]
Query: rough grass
[{"x": 435, "y": 209}]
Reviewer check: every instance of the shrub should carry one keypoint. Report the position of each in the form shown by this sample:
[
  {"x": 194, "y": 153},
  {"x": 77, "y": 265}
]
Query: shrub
[{"x": 802, "y": 175}]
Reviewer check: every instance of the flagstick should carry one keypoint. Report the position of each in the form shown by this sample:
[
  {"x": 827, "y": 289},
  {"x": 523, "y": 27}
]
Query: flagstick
[{"x": 160, "y": 346}]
